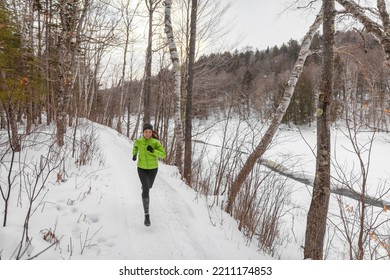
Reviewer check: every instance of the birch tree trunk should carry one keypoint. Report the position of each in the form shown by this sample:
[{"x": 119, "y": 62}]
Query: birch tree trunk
[
  {"x": 72, "y": 15},
  {"x": 177, "y": 72},
  {"x": 277, "y": 118},
  {"x": 190, "y": 87},
  {"x": 318, "y": 211}
]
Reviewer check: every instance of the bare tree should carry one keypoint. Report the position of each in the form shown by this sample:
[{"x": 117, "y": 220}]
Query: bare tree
[
  {"x": 190, "y": 87},
  {"x": 316, "y": 218},
  {"x": 128, "y": 17},
  {"x": 101, "y": 35},
  {"x": 7, "y": 186},
  {"x": 362, "y": 226},
  {"x": 177, "y": 73},
  {"x": 277, "y": 117},
  {"x": 151, "y": 7},
  {"x": 72, "y": 16},
  {"x": 35, "y": 183}
]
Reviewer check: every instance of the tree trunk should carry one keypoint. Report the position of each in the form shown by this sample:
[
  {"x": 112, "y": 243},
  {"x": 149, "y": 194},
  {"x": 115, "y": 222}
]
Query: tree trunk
[
  {"x": 123, "y": 77},
  {"x": 317, "y": 216},
  {"x": 176, "y": 69},
  {"x": 190, "y": 88},
  {"x": 148, "y": 66},
  {"x": 72, "y": 16},
  {"x": 277, "y": 118}
]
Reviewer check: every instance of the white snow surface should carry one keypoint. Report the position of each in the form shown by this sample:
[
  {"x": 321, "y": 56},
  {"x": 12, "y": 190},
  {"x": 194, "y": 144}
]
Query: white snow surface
[{"x": 97, "y": 214}]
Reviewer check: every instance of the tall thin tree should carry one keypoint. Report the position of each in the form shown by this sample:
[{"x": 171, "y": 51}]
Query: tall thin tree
[
  {"x": 177, "y": 72},
  {"x": 128, "y": 17},
  {"x": 318, "y": 211},
  {"x": 72, "y": 15},
  {"x": 190, "y": 87},
  {"x": 151, "y": 7}
]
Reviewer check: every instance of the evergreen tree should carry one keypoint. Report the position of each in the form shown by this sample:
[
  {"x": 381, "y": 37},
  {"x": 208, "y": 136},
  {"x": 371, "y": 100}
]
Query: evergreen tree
[
  {"x": 301, "y": 109},
  {"x": 12, "y": 78}
]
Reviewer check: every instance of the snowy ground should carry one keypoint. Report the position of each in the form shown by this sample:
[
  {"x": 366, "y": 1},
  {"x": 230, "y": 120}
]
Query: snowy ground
[
  {"x": 295, "y": 149},
  {"x": 97, "y": 214}
]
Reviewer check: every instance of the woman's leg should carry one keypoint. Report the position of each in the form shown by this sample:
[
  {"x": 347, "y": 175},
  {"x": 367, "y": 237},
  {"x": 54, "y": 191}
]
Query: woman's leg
[
  {"x": 152, "y": 173},
  {"x": 147, "y": 178},
  {"x": 144, "y": 178}
]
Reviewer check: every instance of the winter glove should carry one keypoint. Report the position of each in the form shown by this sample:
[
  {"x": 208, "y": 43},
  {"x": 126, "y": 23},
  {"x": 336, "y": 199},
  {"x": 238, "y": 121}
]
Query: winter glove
[
  {"x": 150, "y": 149},
  {"x": 134, "y": 158}
]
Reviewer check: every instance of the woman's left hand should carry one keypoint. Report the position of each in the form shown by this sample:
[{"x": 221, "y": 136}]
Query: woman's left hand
[{"x": 150, "y": 149}]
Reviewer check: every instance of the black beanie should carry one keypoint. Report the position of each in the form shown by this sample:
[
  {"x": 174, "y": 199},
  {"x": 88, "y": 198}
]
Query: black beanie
[{"x": 147, "y": 126}]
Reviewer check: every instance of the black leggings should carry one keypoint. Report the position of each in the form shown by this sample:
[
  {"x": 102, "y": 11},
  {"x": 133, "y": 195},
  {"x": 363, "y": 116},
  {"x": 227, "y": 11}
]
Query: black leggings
[{"x": 147, "y": 177}]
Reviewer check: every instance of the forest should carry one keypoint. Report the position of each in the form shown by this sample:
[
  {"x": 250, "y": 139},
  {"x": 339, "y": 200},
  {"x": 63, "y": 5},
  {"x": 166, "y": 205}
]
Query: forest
[{"x": 125, "y": 63}]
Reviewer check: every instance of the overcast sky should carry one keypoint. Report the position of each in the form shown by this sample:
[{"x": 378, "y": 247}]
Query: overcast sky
[{"x": 263, "y": 23}]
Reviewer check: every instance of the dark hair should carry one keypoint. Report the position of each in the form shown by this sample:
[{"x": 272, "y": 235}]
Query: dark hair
[{"x": 147, "y": 126}]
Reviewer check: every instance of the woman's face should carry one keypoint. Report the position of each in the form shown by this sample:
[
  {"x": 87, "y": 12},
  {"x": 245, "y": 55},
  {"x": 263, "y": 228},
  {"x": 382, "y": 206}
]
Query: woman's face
[{"x": 147, "y": 133}]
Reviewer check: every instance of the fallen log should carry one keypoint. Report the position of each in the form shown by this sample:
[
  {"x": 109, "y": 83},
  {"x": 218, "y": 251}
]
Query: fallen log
[{"x": 309, "y": 180}]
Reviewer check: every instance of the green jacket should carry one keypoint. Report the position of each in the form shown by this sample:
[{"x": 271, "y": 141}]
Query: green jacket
[{"x": 146, "y": 159}]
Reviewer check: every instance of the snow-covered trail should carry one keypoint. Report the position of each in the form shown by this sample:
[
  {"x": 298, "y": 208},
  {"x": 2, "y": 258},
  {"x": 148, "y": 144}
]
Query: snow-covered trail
[
  {"x": 181, "y": 227},
  {"x": 96, "y": 213}
]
